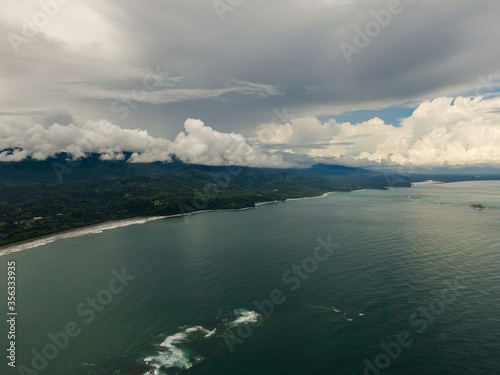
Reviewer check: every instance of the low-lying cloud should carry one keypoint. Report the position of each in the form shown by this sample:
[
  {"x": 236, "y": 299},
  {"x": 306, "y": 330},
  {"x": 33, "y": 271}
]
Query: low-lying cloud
[
  {"x": 198, "y": 144},
  {"x": 441, "y": 132}
]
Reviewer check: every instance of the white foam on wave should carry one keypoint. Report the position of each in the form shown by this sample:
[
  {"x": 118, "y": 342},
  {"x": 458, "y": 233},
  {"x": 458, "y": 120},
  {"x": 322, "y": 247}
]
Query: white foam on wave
[
  {"x": 196, "y": 328},
  {"x": 174, "y": 351},
  {"x": 96, "y": 229},
  {"x": 89, "y": 364},
  {"x": 244, "y": 317},
  {"x": 172, "y": 355},
  {"x": 211, "y": 333},
  {"x": 361, "y": 314}
]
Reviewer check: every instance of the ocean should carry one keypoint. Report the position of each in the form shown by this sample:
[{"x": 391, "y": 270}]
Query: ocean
[{"x": 397, "y": 281}]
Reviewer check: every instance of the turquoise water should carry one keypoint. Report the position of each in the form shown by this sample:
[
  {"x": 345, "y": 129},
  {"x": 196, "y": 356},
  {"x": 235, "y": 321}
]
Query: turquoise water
[{"x": 418, "y": 263}]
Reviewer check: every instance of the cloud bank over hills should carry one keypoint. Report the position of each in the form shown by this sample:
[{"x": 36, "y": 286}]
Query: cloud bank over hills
[
  {"x": 197, "y": 144},
  {"x": 441, "y": 132}
]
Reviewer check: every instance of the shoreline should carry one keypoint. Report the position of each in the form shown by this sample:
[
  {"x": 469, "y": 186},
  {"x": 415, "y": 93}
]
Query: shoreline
[
  {"x": 113, "y": 224},
  {"x": 75, "y": 232},
  {"x": 120, "y": 223}
]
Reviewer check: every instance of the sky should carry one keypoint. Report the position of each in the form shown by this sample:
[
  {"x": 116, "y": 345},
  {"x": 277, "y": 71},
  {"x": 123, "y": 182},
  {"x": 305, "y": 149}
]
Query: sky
[{"x": 275, "y": 83}]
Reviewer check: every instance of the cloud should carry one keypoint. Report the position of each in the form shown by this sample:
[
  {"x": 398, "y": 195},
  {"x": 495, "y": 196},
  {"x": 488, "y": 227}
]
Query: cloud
[
  {"x": 428, "y": 50},
  {"x": 159, "y": 91},
  {"x": 100, "y": 137},
  {"x": 441, "y": 132},
  {"x": 263, "y": 56},
  {"x": 198, "y": 144}
]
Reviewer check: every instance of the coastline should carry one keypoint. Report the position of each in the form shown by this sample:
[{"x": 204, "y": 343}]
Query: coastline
[
  {"x": 113, "y": 224},
  {"x": 75, "y": 232}
]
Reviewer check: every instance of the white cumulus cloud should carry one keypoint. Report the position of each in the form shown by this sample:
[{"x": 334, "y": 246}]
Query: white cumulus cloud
[
  {"x": 100, "y": 137},
  {"x": 441, "y": 132},
  {"x": 198, "y": 144}
]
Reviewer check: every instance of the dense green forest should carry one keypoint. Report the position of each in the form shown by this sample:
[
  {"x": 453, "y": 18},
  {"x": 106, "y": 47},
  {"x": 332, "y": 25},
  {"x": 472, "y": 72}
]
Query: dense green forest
[
  {"x": 44, "y": 197},
  {"x": 40, "y": 198}
]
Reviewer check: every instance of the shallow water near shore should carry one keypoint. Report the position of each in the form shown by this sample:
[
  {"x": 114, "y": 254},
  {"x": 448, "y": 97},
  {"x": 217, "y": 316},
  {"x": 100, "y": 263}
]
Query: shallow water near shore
[{"x": 195, "y": 297}]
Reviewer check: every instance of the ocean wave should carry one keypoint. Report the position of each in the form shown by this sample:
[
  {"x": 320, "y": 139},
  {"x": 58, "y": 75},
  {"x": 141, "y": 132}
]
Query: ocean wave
[
  {"x": 176, "y": 352},
  {"x": 244, "y": 317},
  {"x": 211, "y": 333},
  {"x": 173, "y": 352}
]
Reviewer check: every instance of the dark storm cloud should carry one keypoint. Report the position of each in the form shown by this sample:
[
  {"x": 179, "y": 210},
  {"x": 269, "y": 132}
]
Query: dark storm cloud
[{"x": 427, "y": 49}]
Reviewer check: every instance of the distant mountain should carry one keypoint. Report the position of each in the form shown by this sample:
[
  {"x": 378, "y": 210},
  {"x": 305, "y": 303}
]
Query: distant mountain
[
  {"x": 60, "y": 169},
  {"x": 362, "y": 177}
]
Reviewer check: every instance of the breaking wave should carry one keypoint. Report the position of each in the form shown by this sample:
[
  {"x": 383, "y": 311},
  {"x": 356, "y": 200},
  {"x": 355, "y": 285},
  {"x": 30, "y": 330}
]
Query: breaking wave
[{"x": 181, "y": 350}]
